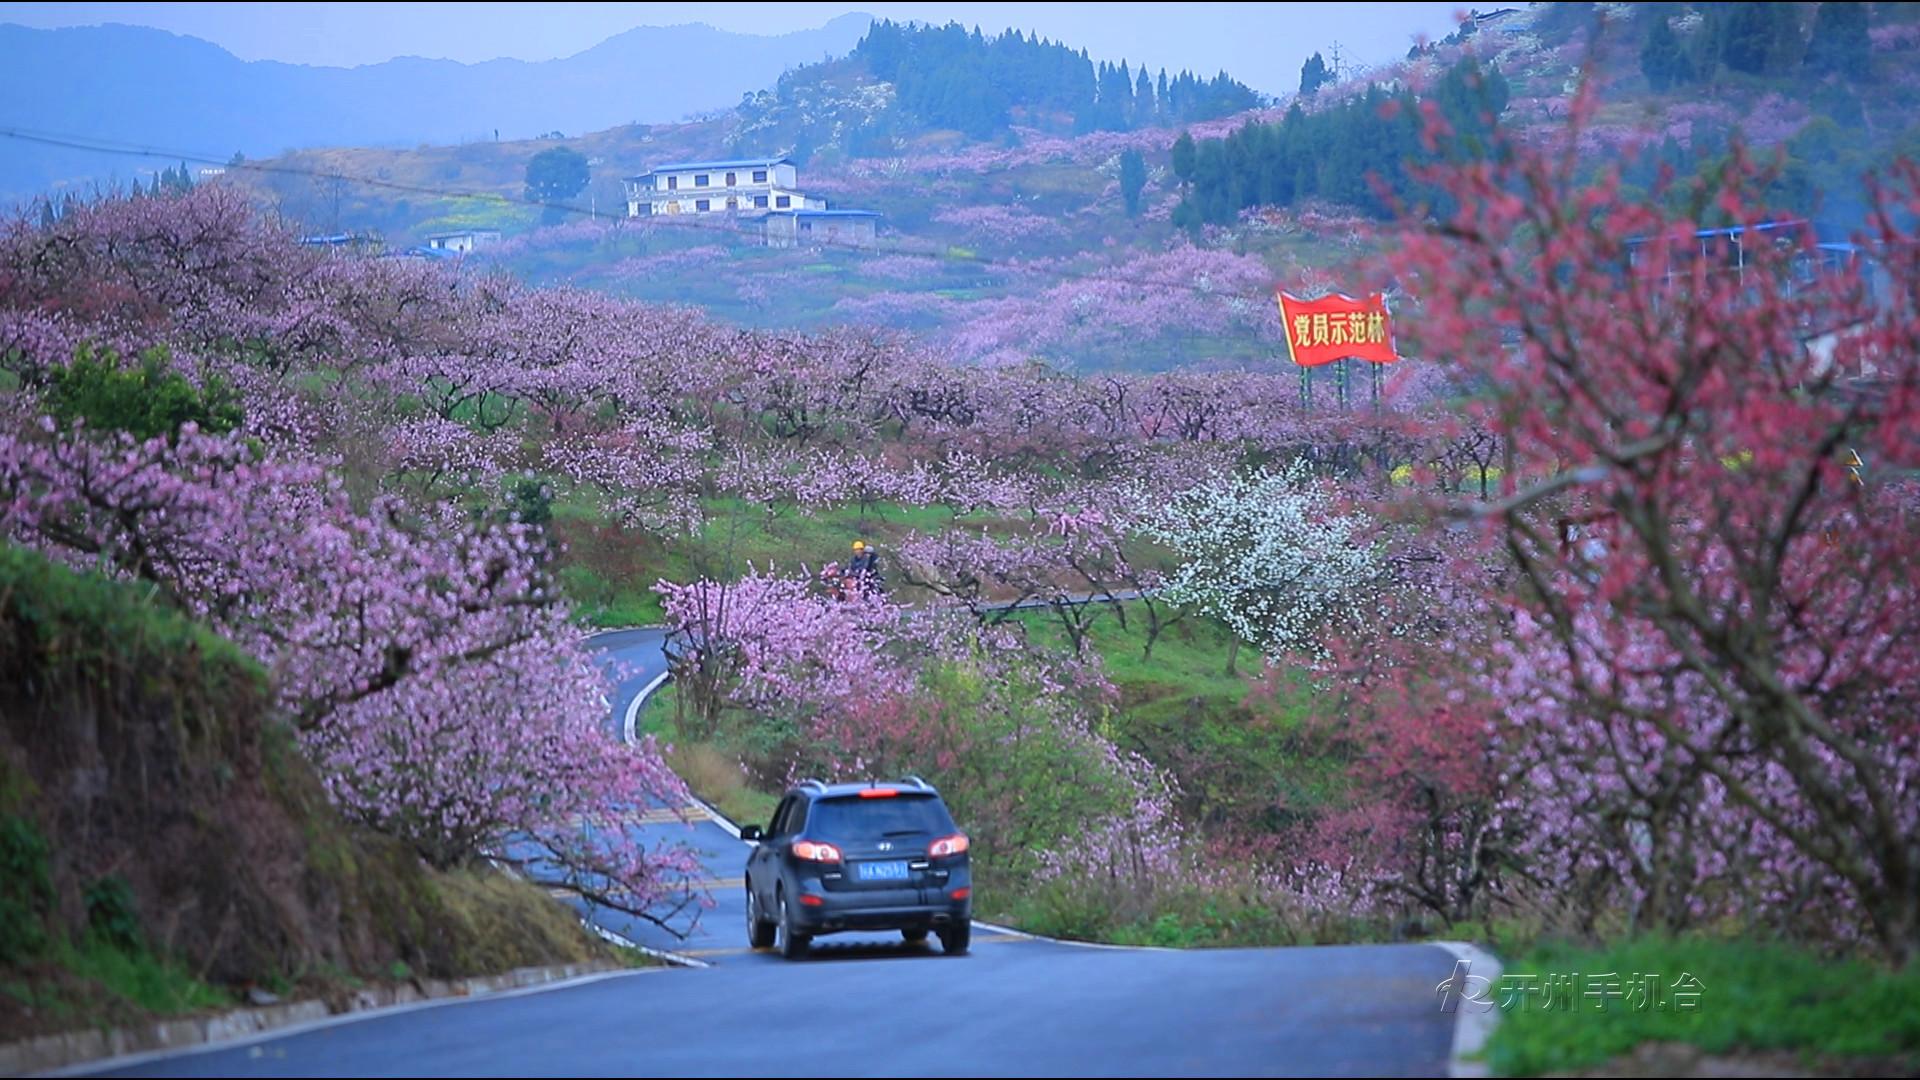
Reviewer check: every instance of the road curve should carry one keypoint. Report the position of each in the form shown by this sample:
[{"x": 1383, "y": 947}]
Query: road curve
[{"x": 871, "y": 1005}]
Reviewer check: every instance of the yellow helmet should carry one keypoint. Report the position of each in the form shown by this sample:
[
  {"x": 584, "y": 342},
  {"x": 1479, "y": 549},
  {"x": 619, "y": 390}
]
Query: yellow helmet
[{"x": 859, "y": 545}]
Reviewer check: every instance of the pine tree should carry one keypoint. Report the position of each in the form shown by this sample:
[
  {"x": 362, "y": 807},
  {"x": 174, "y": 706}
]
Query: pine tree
[
  {"x": 1144, "y": 107},
  {"x": 1133, "y": 179},
  {"x": 1839, "y": 43},
  {"x": 1313, "y": 75},
  {"x": 1663, "y": 58},
  {"x": 1183, "y": 157},
  {"x": 1756, "y": 38}
]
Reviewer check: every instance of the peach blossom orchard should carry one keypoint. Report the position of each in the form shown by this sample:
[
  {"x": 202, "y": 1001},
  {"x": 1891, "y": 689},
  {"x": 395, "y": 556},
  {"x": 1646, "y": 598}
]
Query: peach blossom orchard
[{"x": 1591, "y": 611}]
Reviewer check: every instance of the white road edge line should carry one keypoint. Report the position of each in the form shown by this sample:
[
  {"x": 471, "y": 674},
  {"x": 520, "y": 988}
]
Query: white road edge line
[
  {"x": 146, "y": 1057},
  {"x": 718, "y": 818},
  {"x": 624, "y": 942},
  {"x": 633, "y": 707},
  {"x": 1472, "y": 1026}
]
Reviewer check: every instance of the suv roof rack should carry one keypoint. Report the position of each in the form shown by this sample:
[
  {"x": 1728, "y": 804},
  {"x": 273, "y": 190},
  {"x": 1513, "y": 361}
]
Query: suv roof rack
[
  {"x": 919, "y": 783},
  {"x": 812, "y": 783}
]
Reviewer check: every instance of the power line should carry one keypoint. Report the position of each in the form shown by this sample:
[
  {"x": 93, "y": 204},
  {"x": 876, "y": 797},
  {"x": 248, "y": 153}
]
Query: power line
[{"x": 108, "y": 146}]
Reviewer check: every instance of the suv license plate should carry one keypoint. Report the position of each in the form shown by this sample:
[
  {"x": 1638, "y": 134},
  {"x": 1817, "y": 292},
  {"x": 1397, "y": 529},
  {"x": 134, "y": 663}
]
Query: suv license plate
[{"x": 883, "y": 871}]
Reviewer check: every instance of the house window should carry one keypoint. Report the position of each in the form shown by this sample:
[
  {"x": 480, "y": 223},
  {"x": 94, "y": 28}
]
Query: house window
[
  {"x": 733, "y": 203},
  {"x": 700, "y": 179},
  {"x": 806, "y": 226},
  {"x": 760, "y": 200},
  {"x": 783, "y": 201},
  {"x": 702, "y": 204},
  {"x": 673, "y": 183},
  {"x": 759, "y": 176},
  {"x": 732, "y": 178}
]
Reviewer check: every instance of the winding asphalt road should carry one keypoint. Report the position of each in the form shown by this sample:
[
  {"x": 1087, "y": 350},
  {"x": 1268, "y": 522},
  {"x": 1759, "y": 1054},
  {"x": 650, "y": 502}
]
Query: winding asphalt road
[{"x": 871, "y": 1005}]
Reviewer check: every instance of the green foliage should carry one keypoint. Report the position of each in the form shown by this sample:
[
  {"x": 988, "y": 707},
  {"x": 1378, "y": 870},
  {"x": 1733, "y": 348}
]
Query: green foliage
[
  {"x": 26, "y": 890},
  {"x": 1020, "y": 780},
  {"x": 556, "y": 175},
  {"x": 1755, "y": 38},
  {"x": 1314, "y": 74},
  {"x": 111, "y": 917},
  {"x": 1839, "y": 44},
  {"x": 1345, "y": 154},
  {"x": 81, "y": 627},
  {"x": 136, "y": 977},
  {"x": 1183, "y": 157},
  {"x": 1663, "y": 57},
  {"x": 1753, "y": 997},
  {"x": 952, "y": 77},
  {"x": 146, "y": 401},
  {"x": 1133, "y": 179},
  {"x": 1178, "y": 915},
  {"x": 1236, "y": 752}
]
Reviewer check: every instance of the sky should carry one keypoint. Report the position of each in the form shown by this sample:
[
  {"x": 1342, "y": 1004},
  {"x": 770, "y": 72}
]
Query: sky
[{"x": 1262, "y": 45}]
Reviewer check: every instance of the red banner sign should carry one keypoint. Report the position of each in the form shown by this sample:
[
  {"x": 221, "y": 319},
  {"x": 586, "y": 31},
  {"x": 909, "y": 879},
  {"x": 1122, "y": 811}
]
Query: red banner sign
[{"x": 1337, "y": 328}]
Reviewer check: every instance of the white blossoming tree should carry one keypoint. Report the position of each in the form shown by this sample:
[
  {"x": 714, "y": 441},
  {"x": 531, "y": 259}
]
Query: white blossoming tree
[{"x": 1266, "y": 554}]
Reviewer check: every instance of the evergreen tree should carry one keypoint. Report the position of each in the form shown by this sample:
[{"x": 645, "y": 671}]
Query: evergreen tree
[
  {"x": 1358, "y": 152},
  {"x": 1314, "y": 74},
  {"x": 1133, "y": 179},
  {"x": 554, "y": 176},
  {"x": 1839, "y": 43},
  {"x": 1183, "y": 157},
  {"x": 1756, "y": 38},
  {"x": 1663, "y": 57},
  {"x": 958, "y": 78}
]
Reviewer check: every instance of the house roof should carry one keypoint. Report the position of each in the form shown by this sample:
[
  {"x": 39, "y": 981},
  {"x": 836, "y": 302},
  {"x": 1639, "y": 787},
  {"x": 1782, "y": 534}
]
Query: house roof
[
  {"x": 740, "y": 163},
  {"x": 1735, "y": 231},
  {"x": 463, "y": 232}
]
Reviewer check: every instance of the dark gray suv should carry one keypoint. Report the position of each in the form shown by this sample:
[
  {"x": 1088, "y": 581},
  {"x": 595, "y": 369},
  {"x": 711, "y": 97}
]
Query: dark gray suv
[{"x": 873, "y": 856}]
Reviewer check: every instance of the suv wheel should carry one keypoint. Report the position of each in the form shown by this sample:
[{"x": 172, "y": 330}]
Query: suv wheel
[
  {"x": 791, "y": 945},
  {"x": 914, "y": 937},
  {"x": 955, "y": 939},
  {"x": 760, "y": 932}
]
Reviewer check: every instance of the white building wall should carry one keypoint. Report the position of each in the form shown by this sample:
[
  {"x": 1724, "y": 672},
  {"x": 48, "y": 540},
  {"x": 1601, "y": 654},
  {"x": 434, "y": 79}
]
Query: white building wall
[{"x": 676, "y": 192}]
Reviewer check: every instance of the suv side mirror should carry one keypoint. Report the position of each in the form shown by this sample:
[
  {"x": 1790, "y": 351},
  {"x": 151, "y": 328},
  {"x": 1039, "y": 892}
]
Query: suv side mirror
[{"x": 750, "y": 832}]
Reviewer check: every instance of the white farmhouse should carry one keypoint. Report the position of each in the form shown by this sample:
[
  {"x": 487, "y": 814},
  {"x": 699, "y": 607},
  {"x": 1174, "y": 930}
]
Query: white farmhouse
[
  {"x": 750, "y": 185},
  {"x": 462, "y": 241}
]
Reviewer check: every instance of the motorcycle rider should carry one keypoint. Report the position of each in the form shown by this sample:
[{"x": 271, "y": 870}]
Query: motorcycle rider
[{"x": 864, "y": 567}]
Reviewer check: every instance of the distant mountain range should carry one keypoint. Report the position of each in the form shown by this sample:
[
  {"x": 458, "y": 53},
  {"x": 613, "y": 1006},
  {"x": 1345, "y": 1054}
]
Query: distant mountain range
[{"x": 135, "y": 85}]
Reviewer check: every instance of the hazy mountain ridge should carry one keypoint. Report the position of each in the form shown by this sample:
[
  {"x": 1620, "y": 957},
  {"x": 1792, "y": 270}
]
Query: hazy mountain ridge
[{"x": 147, "y": 87}]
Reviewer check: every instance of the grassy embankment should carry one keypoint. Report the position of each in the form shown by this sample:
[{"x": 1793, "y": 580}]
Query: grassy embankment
[
  {"x": 1761, "y": 1009},
  {"x": 166, "y": 849}
]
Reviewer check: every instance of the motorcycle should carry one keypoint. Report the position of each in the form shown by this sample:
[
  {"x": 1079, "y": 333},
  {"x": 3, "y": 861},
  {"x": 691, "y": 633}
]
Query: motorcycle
[{"x": 846, "y": 583}]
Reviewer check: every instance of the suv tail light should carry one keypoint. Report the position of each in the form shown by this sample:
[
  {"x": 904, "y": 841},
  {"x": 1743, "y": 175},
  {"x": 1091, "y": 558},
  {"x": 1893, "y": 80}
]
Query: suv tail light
[
  {"x": 879, "y": 792},
  {"x": 948, "y": 845},
  {"x": 814, "y": 851}
]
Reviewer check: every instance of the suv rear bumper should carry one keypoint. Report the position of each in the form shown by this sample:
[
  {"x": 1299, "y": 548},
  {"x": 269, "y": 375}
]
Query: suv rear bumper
[{"x": 841, "y": 912}]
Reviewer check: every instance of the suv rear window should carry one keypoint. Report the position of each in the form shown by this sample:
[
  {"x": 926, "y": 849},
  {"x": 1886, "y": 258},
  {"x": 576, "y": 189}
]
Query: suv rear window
[{"x": 855, "y": 818}]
